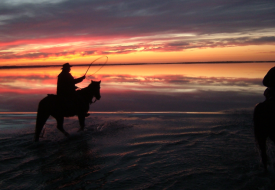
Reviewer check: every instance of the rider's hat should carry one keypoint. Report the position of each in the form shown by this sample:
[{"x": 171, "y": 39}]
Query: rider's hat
[{"x": 66, "y": 65}]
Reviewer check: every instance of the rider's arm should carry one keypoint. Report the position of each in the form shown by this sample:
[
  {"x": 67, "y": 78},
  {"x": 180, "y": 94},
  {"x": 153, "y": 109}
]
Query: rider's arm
[{"x": 78, "y": 80}]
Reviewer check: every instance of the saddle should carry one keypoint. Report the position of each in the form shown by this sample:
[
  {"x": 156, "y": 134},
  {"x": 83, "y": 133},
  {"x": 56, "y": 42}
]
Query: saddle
[{"x": 67, "y": 106}]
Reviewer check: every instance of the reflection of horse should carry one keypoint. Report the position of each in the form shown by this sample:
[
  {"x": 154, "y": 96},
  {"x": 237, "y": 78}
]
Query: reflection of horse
[
  {"x": 264, "y": 126},
  {"x": 51, "y": 105}
]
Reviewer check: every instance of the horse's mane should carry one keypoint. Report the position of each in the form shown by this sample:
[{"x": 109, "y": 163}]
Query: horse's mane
[
  {"x": 90, "y": 86},
  {"x": 87, "y": 92}
]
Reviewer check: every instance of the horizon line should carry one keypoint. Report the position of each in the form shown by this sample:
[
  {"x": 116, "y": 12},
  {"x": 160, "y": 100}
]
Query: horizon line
[
  {"x": 133, "y": 112},
  {"x": 133, "y": 64}
]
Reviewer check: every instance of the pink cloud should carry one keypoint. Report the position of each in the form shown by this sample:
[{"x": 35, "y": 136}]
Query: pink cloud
[{"x": 87, "y": 46}]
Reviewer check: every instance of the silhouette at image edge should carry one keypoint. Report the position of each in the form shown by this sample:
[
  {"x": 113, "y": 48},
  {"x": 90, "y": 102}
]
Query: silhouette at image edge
[{"x": 264, "y": 116}]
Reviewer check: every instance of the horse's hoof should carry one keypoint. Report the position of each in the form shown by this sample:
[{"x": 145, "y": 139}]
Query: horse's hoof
[
  {"x": 66, "y": 134},
  {"x": 36, "y": 139},
  {"x": 79, "y": 130}
]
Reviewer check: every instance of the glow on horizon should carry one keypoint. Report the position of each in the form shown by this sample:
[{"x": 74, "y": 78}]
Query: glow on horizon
[
  {"x": 145, "y": 49},
  {"x": 143, "y": 78},
  {"x": 243, "y": 70},
  {"x": 191, "y": 88},
  {"x": 241, "y": 53}
]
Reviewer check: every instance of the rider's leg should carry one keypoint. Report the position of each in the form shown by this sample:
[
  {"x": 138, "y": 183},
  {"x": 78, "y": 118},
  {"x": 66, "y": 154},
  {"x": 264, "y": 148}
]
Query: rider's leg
[{"x": 82, "y": 108}]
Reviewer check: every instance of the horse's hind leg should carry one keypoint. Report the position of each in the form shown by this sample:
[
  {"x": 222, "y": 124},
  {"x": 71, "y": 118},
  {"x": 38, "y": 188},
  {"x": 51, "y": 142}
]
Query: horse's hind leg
[
  {"x": 40, "y": 122},
  {"x": 60, "y": 121},
  {"x": 81, "y": 119}
]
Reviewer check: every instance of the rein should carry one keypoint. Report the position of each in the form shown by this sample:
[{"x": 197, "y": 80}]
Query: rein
[{"x": 91, "y": 101}]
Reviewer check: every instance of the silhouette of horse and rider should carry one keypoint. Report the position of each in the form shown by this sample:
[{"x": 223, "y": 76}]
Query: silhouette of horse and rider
[
  {"x": 68, "y": 101},
  {"x": 264, "y": 116}
]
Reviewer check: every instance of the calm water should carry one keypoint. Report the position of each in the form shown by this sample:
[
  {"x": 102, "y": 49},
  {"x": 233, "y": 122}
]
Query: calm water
[
  {"x": 193, "y": 87},
  {"x": 134, "y": 151}
]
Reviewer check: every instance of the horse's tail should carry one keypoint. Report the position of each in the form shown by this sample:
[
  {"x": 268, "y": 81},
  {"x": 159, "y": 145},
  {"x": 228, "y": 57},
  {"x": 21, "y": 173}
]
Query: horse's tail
[{"x": 41, "y": 117}]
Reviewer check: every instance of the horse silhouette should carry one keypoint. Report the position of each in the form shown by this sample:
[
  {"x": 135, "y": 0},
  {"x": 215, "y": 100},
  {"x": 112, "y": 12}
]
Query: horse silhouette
[
  {"x": 52, "y": 105},
  {"x": 264, "y": 126}
]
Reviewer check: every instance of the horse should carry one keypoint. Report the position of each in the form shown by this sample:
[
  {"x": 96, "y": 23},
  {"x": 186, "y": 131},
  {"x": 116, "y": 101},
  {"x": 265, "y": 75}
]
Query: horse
[
  {"x": 52, "y": 105},
  {"x": 264, "y": 126}
]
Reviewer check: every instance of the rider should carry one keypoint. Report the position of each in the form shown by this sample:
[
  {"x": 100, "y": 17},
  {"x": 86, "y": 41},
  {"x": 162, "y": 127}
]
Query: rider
[
  {"x": 269, "y": 82},
  {"x": 66, "y": 86}
]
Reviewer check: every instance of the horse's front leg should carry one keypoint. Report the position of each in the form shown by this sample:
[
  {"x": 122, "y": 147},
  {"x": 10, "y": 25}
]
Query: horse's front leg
[
  {"x": 81, "y": 119},
  {"x": 60, "y": 121}
]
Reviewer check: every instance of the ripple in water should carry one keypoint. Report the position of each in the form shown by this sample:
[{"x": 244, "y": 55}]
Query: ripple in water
[{"x": 130, "y": 151}]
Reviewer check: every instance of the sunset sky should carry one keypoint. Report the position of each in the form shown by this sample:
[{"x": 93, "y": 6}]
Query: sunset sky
[
  {"x": 54, "y": 32},
  {"x": 131, "y": 31}
]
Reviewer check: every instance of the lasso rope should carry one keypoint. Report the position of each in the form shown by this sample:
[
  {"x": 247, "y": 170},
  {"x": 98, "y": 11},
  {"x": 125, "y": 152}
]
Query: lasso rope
[{"x": 100, "y": 67}]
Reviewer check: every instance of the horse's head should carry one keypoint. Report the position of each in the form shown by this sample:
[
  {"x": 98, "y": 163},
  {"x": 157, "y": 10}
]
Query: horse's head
[{"x": 95, "y": 88}]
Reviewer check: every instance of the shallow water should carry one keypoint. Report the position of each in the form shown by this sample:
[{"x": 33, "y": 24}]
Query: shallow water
[{"x": 134, "y": 151}]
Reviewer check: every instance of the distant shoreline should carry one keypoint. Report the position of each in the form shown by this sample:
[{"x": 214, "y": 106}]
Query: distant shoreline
[{"x": 132, "y": 64}]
